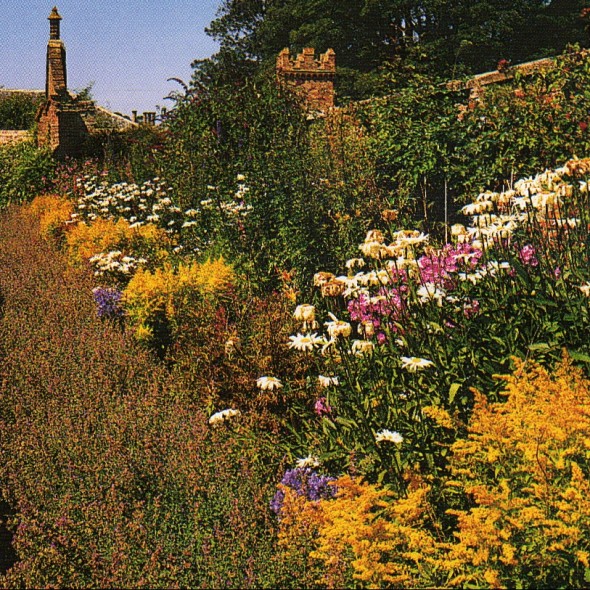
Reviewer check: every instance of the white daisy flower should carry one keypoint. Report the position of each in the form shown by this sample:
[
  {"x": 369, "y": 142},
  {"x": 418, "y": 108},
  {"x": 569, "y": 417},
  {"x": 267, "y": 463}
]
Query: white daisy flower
[
  {"x": 337, "y": 327},
  {"x": 413, "y": 363},
  {"x": 268, "y": 383},
  {"x": 305, "y": 342},
  {"x": 389, "y": 436},
  {"x": 304, "y": 313},
  {"x": 362, "y": 347}
]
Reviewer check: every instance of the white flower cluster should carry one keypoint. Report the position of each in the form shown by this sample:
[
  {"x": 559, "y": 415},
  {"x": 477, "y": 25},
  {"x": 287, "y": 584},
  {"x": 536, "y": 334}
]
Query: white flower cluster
[
  {"x": 236, "y": 207},
  {"x": 138, "y": 204},
  {"x": 239, "y": 209},
  {"x": 389, "y": 436},
  {"x": 328, "y": 381},
  {"x": 221, "y": 417},
  {"x": 115, "y": 263},
  {"x": 335, "y": 330},
  {"x": 540, "y": 199},
  {"x": 402, "y": 245},
  {"x": 309, "y": 461},
  {"x": 492, "y": 268}
]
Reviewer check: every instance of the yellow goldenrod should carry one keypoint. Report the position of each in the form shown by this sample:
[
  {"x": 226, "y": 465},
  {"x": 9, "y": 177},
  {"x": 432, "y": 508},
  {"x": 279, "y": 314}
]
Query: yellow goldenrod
[
  {"x": 166, "y": 291},
  {"x": 53, "y": 212}
]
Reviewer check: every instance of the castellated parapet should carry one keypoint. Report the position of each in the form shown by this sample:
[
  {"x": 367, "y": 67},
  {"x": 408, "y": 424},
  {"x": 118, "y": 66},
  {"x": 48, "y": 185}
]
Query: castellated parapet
[{"x": 312, "y": 78}]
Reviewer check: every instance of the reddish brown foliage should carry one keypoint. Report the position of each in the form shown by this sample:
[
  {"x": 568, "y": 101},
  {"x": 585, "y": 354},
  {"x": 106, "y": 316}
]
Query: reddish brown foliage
[{"x": 108, "y": 460}]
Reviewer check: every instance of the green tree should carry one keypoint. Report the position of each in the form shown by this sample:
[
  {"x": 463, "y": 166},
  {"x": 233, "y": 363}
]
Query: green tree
[
  {"x": 444, "y": 37},
  {"x": 301, "y": 182}
]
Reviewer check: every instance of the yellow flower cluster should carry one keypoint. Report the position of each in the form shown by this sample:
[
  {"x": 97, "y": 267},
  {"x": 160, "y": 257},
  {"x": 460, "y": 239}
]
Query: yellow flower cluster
[
  {"x": 301, "y": 520},
  {"x": 526, "y": 465},
  {"x": 52, "y": 211},
  {"x": 167, "y": 290},
  {"x": 103, "y": 235},
  {"x": 439, "y": 416},
  {"x": 363, "y": 536}
]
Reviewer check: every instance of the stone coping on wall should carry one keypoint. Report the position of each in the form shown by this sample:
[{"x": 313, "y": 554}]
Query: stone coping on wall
[
  {"x": 499, "y": 76},
  {"x": 8, "y": 137},
  {"x": 8, "y": 92},
  {"x": 119, "y": 121}
]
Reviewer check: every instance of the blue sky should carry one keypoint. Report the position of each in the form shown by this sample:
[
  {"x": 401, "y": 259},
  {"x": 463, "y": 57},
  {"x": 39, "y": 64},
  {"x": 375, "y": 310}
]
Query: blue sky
[{"x": 128, "y": 48}]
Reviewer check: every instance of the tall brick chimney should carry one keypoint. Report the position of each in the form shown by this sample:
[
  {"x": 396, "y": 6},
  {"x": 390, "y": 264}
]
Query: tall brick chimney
[
  {"x": 56, "y": 84},
  {"x": 61, "y": 123},
  {"x": 312, "y": 78},
  {"x": 65, "y": 122}
]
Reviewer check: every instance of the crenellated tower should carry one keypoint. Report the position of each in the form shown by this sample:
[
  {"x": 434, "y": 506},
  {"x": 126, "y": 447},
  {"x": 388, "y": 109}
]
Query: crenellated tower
[{"x": 312, "y": 78}]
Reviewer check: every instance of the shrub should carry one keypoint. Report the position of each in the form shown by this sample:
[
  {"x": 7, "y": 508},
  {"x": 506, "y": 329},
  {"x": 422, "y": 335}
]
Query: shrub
[
  {"x": 430, "y": 139},
  {"x": 363, "y": 537},
  {"x": 268, "y": 184},
  {"x": 17, "y": 110},
  {"x": 25, "y": 171},
  {"x": 53, "y": 212},
  {"x": 167, "y": 294}
]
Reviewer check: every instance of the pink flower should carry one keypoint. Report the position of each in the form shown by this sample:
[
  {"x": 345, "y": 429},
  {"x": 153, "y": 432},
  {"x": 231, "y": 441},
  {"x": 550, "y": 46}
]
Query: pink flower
[
  {"x": 322, "y": 407},
  {"x": 527, "y": 255},
  {"x": 471, "y": 308}
]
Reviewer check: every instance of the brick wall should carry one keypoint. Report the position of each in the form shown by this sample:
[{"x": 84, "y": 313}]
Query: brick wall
[{"x": 64, "y": 126}]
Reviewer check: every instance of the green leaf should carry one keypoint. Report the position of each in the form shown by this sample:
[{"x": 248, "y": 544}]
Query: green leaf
[
  {"x": 539, "y": 346},
  {"x": 346, "y": 422},
  {"x": 453, "y": 391},
  {"x": 579, "y": 356}
]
